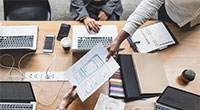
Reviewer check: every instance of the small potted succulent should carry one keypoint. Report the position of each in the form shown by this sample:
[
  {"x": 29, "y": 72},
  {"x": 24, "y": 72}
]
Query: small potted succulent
[{"x": 187, "y": 75}]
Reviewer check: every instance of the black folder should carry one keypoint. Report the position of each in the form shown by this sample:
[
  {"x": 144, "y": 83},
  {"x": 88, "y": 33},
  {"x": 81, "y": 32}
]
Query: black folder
[{"x": 129, "y": 79}]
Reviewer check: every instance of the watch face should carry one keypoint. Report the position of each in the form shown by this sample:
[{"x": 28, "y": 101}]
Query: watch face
[{"x": 60, "y": 107}]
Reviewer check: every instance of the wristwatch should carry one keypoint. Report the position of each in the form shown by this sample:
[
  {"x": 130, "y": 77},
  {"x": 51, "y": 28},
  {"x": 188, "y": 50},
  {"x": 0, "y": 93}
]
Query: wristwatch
[{"x": 60, "y": 108}]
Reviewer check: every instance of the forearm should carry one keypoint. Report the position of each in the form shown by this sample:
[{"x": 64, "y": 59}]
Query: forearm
[
  {"x": 121, "y": 37},
  {"x": 110, "y": 6},
  {"x": 64, "y": 104},
  {"x": 79, "y": 7},
  {"x": 143, "y": 12}
]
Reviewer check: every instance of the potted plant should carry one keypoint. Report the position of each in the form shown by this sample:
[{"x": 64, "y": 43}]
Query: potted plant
[{"x": 187, "y": 75}]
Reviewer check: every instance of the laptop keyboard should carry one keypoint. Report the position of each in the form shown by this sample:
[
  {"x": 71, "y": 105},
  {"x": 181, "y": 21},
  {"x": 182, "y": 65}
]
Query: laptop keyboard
[
  {"x": 90, "y": 42},
  {"x": 16, "y": 41},
  {"x": 163, "y": 107},
  {"x": 16, "y": 106}
]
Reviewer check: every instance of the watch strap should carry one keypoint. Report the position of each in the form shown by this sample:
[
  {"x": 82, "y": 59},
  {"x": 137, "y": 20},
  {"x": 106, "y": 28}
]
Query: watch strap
[{"x": 60, "y": 108}]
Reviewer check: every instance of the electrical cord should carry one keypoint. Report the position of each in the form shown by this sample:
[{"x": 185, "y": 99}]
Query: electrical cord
[
  {"x": 12, "y": 67},
  {"x": 22, "y": 74},
  {"x": 32, "y": 53},
  {"x": 54, "y": 99}
]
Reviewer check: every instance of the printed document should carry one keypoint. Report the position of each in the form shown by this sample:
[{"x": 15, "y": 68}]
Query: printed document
[
  {"x": 153, "y": 37},
  {"x": 91, "y": 71}
]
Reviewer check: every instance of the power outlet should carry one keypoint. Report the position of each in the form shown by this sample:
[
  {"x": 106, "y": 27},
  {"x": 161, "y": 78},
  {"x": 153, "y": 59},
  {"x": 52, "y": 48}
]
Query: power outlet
[
  {"x": 54, "y": 76},
  {"x": 41, "y": 76},
  {"x": 33, "y": 76}
]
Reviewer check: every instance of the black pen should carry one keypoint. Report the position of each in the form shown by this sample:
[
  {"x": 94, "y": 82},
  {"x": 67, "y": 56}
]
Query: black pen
[
  {"x": 120, "y": 49},
  {"x": 132, "y": 44}
]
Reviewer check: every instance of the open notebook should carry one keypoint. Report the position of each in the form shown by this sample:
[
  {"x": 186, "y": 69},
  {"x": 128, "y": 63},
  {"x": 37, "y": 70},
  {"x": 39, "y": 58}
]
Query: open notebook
[{"x": 156, "y": 36}]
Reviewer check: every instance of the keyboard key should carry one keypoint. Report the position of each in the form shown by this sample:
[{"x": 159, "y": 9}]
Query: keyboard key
[
  {"x": 16, "y": 106},
  {"x": 90, "y": 42},
  {"x": 16, "y": 41}
]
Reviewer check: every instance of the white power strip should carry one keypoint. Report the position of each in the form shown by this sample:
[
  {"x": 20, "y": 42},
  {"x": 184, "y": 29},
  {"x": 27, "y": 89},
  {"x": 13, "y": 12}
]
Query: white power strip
[{"x": 41, "y": 76}]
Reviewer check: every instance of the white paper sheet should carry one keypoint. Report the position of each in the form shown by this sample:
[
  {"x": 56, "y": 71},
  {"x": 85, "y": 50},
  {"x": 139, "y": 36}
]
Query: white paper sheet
[{"x": 91, "y": 71}]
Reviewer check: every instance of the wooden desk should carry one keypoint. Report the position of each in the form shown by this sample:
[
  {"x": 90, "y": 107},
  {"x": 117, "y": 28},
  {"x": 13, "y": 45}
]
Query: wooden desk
[{"x": 175, "y": 59}]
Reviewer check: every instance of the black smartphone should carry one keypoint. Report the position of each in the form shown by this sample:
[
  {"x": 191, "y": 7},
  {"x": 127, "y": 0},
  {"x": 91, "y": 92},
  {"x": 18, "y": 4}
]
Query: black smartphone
[
  {"x": 48, "y": 43},
  {"x": 64, "y": 31}
]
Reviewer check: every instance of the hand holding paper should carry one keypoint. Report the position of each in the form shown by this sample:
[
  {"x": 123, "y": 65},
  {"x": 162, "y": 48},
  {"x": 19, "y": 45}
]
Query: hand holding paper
[{"x": 91, "y": 71}]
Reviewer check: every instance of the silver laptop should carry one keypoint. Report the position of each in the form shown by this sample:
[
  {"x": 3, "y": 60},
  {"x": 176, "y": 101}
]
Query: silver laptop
[
  {"x": 18, "y": 37},
  {"x": 16, "y": 96},
  {"x": 83, "y": 41}
]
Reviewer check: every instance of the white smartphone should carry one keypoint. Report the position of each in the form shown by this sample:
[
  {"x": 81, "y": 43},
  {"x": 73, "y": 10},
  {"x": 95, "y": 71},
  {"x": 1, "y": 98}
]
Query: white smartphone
[{"x": 49, "y": 43}]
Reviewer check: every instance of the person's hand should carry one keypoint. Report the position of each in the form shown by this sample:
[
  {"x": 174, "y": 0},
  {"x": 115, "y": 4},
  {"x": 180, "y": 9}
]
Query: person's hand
[
  {"x": 102, "y": 16},
  {"x": 69, "y": 97},
  {"x": 91, "y": 24},
  {"x": 113, "y": 47}
]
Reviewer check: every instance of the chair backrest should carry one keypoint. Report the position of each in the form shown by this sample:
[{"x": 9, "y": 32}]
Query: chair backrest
[{"x": 27, "y": 10}]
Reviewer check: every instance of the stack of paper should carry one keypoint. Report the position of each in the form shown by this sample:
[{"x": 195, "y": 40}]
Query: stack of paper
[{"x": 116, "y": 87}]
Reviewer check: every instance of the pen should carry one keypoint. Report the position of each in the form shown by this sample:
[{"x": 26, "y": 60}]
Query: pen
[
  {"x": 120, "y": 49},
  {"x": 133, "y": 46}
]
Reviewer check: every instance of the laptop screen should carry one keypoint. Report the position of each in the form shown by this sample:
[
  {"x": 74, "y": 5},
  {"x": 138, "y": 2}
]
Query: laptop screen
[
  {"x": 180, "y": 99},
  {"x": 16, "y": 92}
]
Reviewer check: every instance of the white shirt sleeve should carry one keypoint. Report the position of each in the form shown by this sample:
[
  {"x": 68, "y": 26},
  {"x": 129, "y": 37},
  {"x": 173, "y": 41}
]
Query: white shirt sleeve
[{"x": 143, "y": 12}]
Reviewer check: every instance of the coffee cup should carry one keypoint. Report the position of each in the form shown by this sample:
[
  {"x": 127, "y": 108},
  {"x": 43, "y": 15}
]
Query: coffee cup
[{"x": 66, "y": 44}]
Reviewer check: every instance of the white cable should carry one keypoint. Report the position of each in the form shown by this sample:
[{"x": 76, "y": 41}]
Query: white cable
[
  {"x": 23, "y": 76},
  {"x": 13, "y": 60},
  {"x": 12, "y": 67},
  {"x": 32, "y": 53},
  {"x": 40, "y": 89},
  {"x": 19, "y": 63},
  {"x": 47, "y": 76},
  {"x": 54, "y": 97}
]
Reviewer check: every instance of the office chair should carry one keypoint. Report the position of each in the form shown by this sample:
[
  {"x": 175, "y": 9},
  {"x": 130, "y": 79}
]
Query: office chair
[{"x": 27, "y": 10}]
